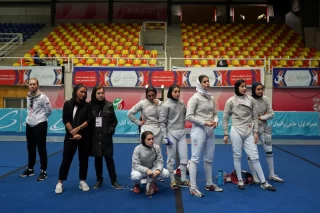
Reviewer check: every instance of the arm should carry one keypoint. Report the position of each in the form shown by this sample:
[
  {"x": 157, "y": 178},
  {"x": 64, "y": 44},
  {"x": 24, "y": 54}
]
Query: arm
[
  {"x": 136, "y": 164},
  {"x": 159, "y": 160},
  {"x": 254, "y": 116},
  {"x": 65, "y": 117},
  {"x": 269, "y": 114},
  {"x": 226, "y": 114},
  {"x": 163, "y": 119},
  {"x": 114, "y": 121},
  {"x": 46, "y": 105},
  {"x": 215, "y": 113},
  {"x": 134, "y": 110},
  {"x": 191, "y": 108}
]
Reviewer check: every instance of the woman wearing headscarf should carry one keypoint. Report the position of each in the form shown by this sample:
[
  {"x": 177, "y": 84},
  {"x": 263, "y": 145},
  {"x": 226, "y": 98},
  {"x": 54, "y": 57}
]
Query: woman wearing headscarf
[
  {"x": 265, "y": 113},
  {"x": 201, "y": 112},
  {"x": 244, "y": 131},
  {"x": 104, "y": 125},
  {"x": 172, "y": 125},
  {"x": 76, "y": 117},
  {"x": 149, "y": 109}
]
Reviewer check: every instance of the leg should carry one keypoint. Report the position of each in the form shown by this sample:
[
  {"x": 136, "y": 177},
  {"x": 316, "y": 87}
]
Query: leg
[
  {"x": 41, "y": 132},
  {"x": 99, "y": 168},
  {"x": 183, "y": 154},
  {"x": 32, "y": 146},
  {"x": 69, "y": 149},
  {"x": 171, "y": 156},
  {"x": 158, "y": 139},
  {"x": 237, "y": 144},
  {"x": 111, "y": 168},
  {"x": 209, "y": 147},
  {"x": 137, "y": 176},
  {"x": 83, "y": 160}
]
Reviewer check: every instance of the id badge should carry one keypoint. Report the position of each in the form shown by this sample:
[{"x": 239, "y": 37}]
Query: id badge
[{"x": 98, "y": 121}]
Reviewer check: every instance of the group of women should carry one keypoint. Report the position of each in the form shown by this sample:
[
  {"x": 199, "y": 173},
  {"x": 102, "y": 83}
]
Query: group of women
[{"x": 165, "y": 123}]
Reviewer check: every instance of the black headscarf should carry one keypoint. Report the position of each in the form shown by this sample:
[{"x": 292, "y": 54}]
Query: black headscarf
[
  {"x": 237, "y": 85},
  {"x": 73, "y": 101},
  {"x": 96, "y": 104},
  {"x": 254, "y": 87}
]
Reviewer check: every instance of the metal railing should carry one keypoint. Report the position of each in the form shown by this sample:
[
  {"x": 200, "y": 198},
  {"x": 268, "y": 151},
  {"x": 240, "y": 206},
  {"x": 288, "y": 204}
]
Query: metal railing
[
  {"x": 307, "y": 64},
  {"x": 10, "y": 43}
]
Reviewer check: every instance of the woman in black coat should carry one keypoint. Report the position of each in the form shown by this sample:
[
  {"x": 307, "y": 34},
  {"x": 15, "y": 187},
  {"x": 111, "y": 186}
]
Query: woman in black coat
[
  {"x": 76, "y": 117},
  {"x": 103, "y": 128}
]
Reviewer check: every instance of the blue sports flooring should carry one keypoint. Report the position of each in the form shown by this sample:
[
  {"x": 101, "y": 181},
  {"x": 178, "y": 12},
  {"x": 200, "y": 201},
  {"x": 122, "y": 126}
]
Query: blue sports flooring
[{"x": 299, "y": 193}]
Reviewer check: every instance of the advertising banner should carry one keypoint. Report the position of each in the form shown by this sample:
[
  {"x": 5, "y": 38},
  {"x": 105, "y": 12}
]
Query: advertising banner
[
  {"x": 47, "y": 76},
  {"x": 296, "y": 77},
  {"x": 80, "y": 10}
]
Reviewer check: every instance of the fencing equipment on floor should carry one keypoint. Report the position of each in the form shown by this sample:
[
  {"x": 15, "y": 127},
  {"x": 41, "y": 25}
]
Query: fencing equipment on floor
[{"x": 150, "y": 114}]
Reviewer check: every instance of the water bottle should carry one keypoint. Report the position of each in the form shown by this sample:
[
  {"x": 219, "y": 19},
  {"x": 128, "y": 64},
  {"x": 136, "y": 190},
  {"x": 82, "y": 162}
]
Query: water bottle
[{"x": 220, "y": 178}]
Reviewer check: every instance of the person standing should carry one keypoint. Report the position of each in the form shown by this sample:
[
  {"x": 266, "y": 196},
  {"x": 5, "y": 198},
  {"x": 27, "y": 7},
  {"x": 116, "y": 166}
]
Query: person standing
[
  {"x": 201, "y": 112},
  {"x": 38, "y": 111},
  {"x": 265, "y": 113},
  {"x": 76, "y": 117},
  {"x": 244, "y": 131},
  {"x": 104, "y": 125}
]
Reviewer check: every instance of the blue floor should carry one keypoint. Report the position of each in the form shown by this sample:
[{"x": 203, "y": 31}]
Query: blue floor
[{"x": 298, "y": 194}]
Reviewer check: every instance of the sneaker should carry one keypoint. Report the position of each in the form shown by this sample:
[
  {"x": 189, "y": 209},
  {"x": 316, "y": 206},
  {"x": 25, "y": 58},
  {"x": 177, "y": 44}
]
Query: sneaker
[
  {"x": 59, "y": 188},
  {"x": 149, "y": 189},
  {"x": 241, "y": 185},
  {"x": 42, "y": 176},
  {"x": 98, "y": 184},
  {"x": 136, "y": 188},
  {"x": 155, "y": 187},
  {"x": 214, "y": 187},
  {"x": 185, "y": 183},
  {"x": 196, "y": 192},
  {"x": 116, "y": 185},
  {"x": 83, "y": 185},
  {"x": 174, "y": 185},
  {"x": 268, "y": 187},
  {"x": 255, "y": 179},
  {"x": 28, "y": 172},
  {"x": 276, "y": 178}
]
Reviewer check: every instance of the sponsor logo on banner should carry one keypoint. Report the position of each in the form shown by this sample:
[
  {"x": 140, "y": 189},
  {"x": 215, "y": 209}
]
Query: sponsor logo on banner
[
  {"x": 47, "y": 76},
  {"x": 9, "y": 120},
  {"x": 118, "y": 104},
  {"x": 296, "y": 77},
  {"x": 316, "y": 104}
]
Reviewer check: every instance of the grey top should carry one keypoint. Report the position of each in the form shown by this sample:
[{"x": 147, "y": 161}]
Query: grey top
[
  {"x": 149, "y": 112},
  {"x": 243, "y": 112},
  {"x": 201, "y": 109},
  {"x": 172, "y": 116},
  {"x": 144, "y": 158},
  {"x": 265, "y": 111}
]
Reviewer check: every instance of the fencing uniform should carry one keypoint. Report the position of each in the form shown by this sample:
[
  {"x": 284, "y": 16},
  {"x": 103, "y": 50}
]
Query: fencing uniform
[
  {"x": 150, "y": 114},
  {"x": 172, "y": 124}
]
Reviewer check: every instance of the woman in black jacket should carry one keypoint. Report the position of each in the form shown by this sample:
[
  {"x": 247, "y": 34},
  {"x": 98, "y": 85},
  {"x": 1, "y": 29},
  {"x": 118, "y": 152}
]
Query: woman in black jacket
[
  {"x": 76, "y": 117},
  {"x": 104, "y": 124}
]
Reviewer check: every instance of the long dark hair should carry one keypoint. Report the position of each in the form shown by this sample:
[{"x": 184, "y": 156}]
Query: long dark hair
[
  {"x": 171, "y": 88},
  {"x": 150, "y": 89},
  {"x": 237, "y": 85},
  {"x": 74, "y": 95}
]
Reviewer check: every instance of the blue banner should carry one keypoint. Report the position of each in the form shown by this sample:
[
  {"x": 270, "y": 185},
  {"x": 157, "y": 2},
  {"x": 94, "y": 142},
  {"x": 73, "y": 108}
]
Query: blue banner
[
  {"x": 296, "y": 77},
  {"x": 284, "y": 123}
]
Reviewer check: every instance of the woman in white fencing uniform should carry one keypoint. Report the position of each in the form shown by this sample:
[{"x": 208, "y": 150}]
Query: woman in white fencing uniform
[
  {"x": 201, "y": 112},
  {"x": 172, "y": 125},
  {"x": 265, "y": 113},
  {"x": 147, "y": 162},
  {"x": 244, "y": 131},
  {"x": 150, "y": 109}
]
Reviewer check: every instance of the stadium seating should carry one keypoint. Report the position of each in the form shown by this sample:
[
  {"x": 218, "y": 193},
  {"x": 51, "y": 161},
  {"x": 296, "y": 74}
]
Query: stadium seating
[
  {"x": 248, "y": 44},
  {"x": 27, "y": 29}
]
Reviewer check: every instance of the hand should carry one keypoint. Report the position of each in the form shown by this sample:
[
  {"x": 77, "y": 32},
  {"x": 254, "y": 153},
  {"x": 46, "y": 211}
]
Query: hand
[
  {"x": 259, "y": 118},
  {"x": 256, "y": 137},
  {"x": 157, "y": 173},
  {"x": 225, "y": 139},
  {"x": 168, "y": 141},
  {"x": 142, "y": 122},
  {"x": 74, "y": 131},
  {"x": 156, "y": 101},
  {"x": 209, "y": 123},
  {"x": 77, "y": 137},
  {"x": 150, "y": 173},
  {"x": 215, "y": 124}
]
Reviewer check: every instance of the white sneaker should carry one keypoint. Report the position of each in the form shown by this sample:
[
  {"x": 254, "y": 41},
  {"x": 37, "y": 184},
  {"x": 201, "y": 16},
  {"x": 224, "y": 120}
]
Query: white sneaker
[
  {"x": 256, "y": 179},
  {"x": 59, "y": 188},
  {"x": 83, "y": 185},
  {"x": 276, "y": 178}
]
